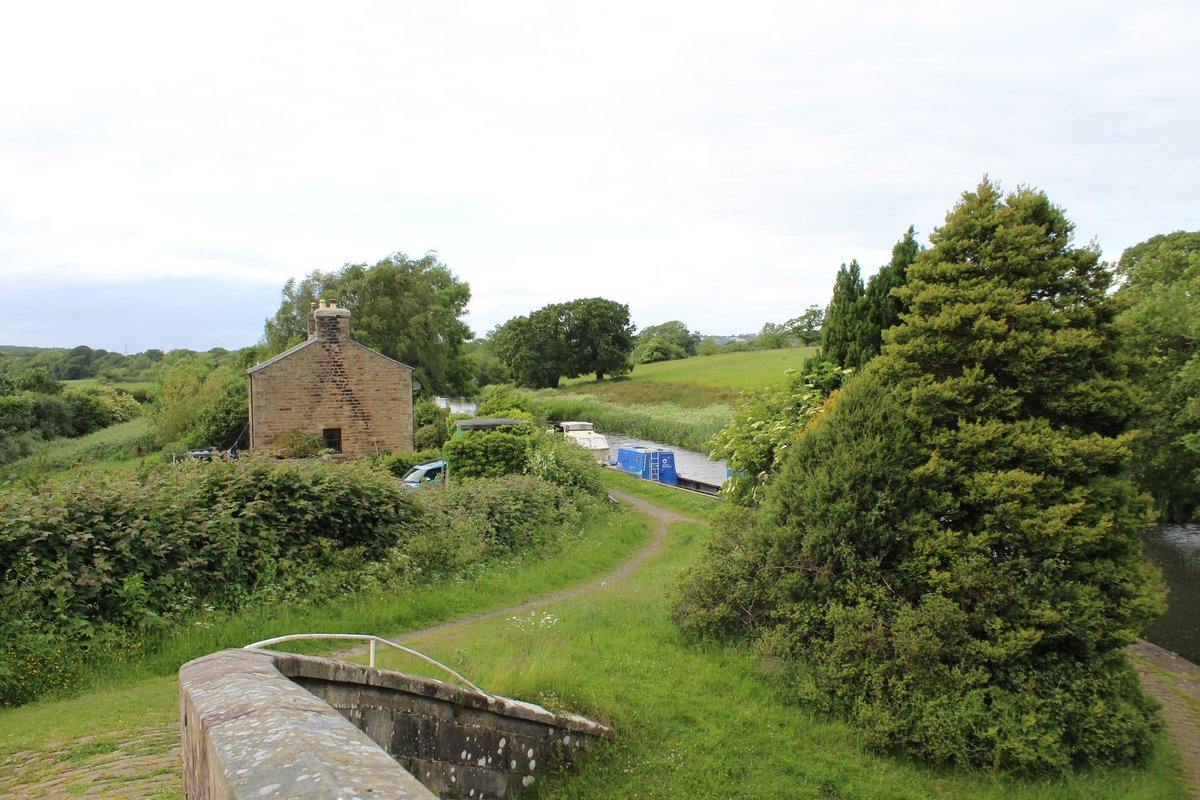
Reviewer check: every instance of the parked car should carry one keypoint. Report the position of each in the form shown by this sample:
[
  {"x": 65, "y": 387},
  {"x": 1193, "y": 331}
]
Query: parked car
[{"x": 427, "y": 473}]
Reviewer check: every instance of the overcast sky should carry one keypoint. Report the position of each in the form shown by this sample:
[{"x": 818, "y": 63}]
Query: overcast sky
[{"x": 165, "y": 168}]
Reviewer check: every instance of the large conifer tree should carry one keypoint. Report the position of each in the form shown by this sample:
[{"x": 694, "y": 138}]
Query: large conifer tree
[{"x": 954, "y": 546}]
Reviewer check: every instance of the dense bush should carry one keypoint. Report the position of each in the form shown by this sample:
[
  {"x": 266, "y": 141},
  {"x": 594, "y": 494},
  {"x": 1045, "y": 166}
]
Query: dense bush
[
  {"x": 557, "y": 461},
  {"x": 400, "y": 463},
  {"x": 111, "y": 553},
  {"x": 954, "y": 546},
  {"x": 91, "y": 567},
  {"x": 486, "y": 454},
  {"x": 500, "y": 516}
]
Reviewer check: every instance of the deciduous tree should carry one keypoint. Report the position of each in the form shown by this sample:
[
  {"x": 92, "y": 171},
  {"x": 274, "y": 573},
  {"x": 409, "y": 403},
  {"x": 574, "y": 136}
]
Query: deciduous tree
[
  {"x": 1161, "y": 326},
  {"x": 407, "y": 309}
]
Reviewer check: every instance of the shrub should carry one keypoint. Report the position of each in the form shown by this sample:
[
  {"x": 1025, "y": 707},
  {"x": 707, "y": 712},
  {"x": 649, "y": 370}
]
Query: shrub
[
  {"x": 296, "y": 444},
  {"x": 400, "y": 463},
  {"x": 501, "y": 400},
  {"x": 112, "y": 553},
  {"x": 502, "y": 515},
  {"x": 954, "y": 546},
  {"x": 486, "y": 454},
  {"x": 564, "y": 463}
]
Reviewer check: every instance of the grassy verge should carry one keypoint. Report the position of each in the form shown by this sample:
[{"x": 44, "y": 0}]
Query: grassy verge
[
  {"x": 712, "y": 722},
  {"x": 112, "y": 445}
]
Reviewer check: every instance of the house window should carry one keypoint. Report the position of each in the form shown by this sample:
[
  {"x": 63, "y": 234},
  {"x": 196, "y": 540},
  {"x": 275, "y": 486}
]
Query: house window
[{"x": 333, "y": 439}]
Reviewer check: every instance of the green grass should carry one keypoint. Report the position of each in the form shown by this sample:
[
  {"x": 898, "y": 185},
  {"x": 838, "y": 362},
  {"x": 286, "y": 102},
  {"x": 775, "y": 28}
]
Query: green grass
[
  {"x": 116, "y": 444},
  {"x": 703, "y": 721},
  {"x": 696, "y": 381}
]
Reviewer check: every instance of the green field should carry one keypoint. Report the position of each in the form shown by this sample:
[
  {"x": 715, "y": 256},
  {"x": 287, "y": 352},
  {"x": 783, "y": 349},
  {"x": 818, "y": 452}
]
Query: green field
[{"x": 697, "y": 381}]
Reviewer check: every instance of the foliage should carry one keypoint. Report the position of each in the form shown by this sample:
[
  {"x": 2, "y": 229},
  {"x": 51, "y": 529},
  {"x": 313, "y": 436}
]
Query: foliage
[
  {"x": 28, "y": 419},
  {"x": 655, "y": 349},
  {"x": 806, "y": 328},
  {"x": 772, "y": 336},
  {"x": 501, "y": 399},
  {"x": 765, "y": 424},
  {"x": 843, "y": 337},
  {"x": 112, "y": 554},
  {"x": 954, "y": 547},
  {"x": 429, "y": 423},
  {"x": 400, "y": 463},
  {"x": 1161, "y": 327},
  {"x": 118, "y": 442},
  {"x": 501, "y": 515},
  {"x": 665, "y": 342},
  {"x": 295, "y": 444},
  {"x": 590, "y": 335},
  {"x": 37, "y": 380},
  {"x": 408, "y": 309},
  {"x": 857, "y": 318},
  {"x": 486, "y": 454},
  {"x": 202, "y": 406},
  {"x": 881, "y": 304},
  {"x": 557, "y": 461}
]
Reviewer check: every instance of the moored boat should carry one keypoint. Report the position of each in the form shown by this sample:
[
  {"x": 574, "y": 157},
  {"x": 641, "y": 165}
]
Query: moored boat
[{"x": 584, "y": 434}]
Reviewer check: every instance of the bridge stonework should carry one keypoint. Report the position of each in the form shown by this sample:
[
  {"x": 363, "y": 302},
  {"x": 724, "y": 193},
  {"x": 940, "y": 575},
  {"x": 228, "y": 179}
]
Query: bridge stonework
[{"x": 263, "y": 724}]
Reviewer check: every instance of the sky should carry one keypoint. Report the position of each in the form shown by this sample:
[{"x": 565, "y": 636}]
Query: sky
[{"x": 165, "y": 168}]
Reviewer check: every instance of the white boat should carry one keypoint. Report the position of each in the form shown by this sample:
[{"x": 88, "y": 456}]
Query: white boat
[{"x": 584, "y": 434}]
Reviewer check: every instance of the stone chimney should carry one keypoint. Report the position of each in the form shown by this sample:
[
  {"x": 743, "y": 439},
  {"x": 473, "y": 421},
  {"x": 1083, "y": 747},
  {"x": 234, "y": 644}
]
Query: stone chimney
[
  {"x": 312, "y": 320},
  {"x": 331, "y": 324}
]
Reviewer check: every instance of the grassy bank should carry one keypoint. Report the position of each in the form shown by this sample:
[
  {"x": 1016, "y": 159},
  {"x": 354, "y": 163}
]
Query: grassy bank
[
  {"x": 660, "y": 422},
  {"x": 680, "y": 402},
  {"x": 112, "y": 446},
  {"x": 697, "y": 381}
]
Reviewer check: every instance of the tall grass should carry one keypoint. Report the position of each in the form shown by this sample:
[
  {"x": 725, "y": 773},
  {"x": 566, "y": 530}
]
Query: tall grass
[
  {"x": 114, "y": 443},
  {"x": 661, "y": 422}
]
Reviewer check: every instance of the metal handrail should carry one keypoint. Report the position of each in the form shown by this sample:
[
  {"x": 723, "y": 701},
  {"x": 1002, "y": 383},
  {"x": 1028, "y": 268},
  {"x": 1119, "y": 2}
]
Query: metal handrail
[{"x": 372, "y": 639}]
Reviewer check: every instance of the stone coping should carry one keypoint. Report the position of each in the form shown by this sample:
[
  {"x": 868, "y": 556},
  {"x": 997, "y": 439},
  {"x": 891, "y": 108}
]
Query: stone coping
[
  {"x": 249, "y": 732},
  {"x": 294, "y": 665}
]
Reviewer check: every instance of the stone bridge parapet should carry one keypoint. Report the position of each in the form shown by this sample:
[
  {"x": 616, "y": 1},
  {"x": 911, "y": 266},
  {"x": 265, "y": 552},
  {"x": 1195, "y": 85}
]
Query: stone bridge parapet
[{"x": 260, "y": 724}]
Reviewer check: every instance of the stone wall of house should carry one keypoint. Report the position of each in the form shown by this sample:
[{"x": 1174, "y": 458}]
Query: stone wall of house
[
  {"x": 258, "y": 724},
  {"x": 332, "y": 382}
]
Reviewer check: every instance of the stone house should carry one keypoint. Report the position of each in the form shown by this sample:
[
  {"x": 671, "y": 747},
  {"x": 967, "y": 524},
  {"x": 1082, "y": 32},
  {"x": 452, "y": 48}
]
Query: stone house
[{"x": 355, "y": 398}]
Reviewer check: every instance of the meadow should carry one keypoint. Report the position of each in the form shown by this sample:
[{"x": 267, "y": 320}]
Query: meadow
[{"x": 697, "y": 381}]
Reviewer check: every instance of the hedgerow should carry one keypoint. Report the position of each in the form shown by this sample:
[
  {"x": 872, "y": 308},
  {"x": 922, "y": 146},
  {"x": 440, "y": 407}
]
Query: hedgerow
[{"x": 89, "y": 568}]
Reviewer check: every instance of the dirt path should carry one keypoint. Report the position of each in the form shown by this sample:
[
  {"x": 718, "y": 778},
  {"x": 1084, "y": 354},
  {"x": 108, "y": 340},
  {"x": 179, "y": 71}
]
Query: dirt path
[
  {"x": 662, "y": 519},
  {"x": 1174, "y": 682}
]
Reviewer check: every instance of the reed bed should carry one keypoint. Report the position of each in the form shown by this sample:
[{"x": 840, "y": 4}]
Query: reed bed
[{"x": 660, "y": 422}]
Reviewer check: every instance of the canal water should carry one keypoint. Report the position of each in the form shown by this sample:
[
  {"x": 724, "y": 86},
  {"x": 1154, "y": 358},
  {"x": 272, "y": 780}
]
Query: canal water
[
  {"x": 1176, "y": 551},
  {"x": 1174, "y": 548}
]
